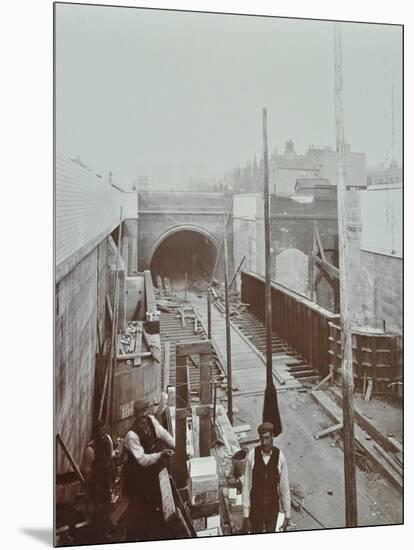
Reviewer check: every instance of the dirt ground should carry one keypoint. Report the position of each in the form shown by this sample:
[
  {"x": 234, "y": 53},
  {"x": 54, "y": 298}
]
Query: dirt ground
[{"x": 316, "y": 466}]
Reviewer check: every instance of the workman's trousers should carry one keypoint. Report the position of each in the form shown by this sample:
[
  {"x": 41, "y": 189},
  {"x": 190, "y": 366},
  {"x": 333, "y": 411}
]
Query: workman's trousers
[
  {"x": 263, "y": 521},
  {"x": 145, "y": 519},
  {"x": 101, "y": 520}
]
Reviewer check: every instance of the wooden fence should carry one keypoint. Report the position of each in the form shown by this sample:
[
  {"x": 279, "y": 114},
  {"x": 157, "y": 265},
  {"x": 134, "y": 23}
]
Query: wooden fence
[
  {"x": 315, "y": 335},
  {"x": 295, "y": 319}
]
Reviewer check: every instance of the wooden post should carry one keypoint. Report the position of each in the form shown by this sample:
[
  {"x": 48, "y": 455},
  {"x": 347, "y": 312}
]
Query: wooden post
[
  {"x": 113, "y": 352},
  {"x": 166, "y": 366},
  {"x": 312, "y": 265},
  {"x": 185, "y": 286},
  {"x": 228, "y": 333},
  {"x": 270, "y": 406},
  {"x": 268, "y": 295},
  {"x": 220, "y": 246},
  {"x": 181, "y": 409},
  {"x": 209, "y": 314},
  {"x": 351, "y": 514},
  {"x": 236, "y": 272},
  {"x": 205, "y": 399},
  {"x": 214, "y": 403}
]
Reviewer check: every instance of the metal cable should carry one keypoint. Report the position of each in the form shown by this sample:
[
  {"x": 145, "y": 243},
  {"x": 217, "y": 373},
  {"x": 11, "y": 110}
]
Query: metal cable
[{"x": 307, "y": 511}]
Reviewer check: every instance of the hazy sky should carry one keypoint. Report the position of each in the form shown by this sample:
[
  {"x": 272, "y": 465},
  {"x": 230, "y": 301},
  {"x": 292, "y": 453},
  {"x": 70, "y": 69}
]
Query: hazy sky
[{"x": 174, "y": 95}]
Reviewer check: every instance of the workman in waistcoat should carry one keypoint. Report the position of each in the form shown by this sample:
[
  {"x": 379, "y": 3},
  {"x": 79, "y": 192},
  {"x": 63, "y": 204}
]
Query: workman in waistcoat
[
  {"x": 99, "y": 471},
  {"x": 141, "y": 482},
  {"x": 265, "y": 485}
]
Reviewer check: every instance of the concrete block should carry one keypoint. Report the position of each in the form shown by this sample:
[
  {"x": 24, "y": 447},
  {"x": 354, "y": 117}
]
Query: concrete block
[
  {"x": 203, "y": 484},
  {"x": 213, "y": 521},
  {"x": 203, "y": 466}
]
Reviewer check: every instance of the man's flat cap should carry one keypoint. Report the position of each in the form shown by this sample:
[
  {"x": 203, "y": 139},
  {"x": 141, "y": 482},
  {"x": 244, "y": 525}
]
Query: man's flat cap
[
  {"x": 140, "y": 405},
  {"x": 265, "y": 427}
]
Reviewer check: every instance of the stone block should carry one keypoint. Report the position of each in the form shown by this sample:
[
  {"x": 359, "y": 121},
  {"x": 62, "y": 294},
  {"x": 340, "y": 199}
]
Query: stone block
[{"x": 213, "y": 521}]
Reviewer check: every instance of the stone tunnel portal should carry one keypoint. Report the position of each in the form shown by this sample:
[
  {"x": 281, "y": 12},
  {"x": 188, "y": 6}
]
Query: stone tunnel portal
[{"x": 185, "y": 251}]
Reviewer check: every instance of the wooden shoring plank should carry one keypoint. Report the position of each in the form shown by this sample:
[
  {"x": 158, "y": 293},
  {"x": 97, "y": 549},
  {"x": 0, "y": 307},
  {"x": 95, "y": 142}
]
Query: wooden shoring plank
[
  {"x": 109, "y": 308},
  {"x": 192, "y": 348},
  {"x": 130, "y": 356},
  {"x": 227, "y": 430},
  {"x": 70, "y": 458},
  {"x": 170, "y": 416},
  {"x": 182, "y": 511},
  {"x": 166, "y": 365},
  {"x": 390, "y": 459},
  {"x": 328, "y": 431},
  {"x": 396, "y": 444},
  {"x": 184, "y": 523},
  {"x": 196, "y": 432},
  {"x": 330, "y": 269},
  {"x": 319, "y": 242},
  {"x": 137, "y": 347},
  {"x": 194, "y": 362},
  {"x": 369, "y": 391},
  {"x": 205, "y": 399},
  {"x": 322, "y": 382},
  {"x": 181, "y": 411},
  {"x": 242, "y": 428},
  {"x": 167, "y": 499},
  {"x": 151, "y": 346},
  {"x": 182, "y": 317},
  {"x": 336, "y": 414}
]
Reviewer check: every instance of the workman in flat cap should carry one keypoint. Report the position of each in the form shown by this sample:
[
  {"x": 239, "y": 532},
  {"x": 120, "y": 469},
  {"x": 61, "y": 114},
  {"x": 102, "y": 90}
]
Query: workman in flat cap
[
  {"x": 148, "y": 444},
  {"x": 266, "y": 485}
]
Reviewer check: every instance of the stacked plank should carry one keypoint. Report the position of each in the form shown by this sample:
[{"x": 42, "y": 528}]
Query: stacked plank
[
  {"x": 227, "y": 432},
  {"x": 129, "y": 343},
  {"x": 235, "y": 305}
]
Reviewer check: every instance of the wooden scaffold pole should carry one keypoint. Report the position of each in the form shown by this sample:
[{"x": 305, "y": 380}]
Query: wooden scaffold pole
[
  {"x": 112, "y": 350},
  {"x": 114, "y": 335},
  {"x": 351, "y": 515},
  {"x": 270, "y": 405},
  {"x": 228, "y": 330}
]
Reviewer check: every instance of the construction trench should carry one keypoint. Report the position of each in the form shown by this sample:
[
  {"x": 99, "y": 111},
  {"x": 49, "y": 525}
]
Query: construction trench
[{"x": 164, "y": 354}]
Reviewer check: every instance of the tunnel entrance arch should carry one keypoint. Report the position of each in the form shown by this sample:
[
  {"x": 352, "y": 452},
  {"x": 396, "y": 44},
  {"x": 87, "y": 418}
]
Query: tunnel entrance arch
[{"x": 184, "y": 249}]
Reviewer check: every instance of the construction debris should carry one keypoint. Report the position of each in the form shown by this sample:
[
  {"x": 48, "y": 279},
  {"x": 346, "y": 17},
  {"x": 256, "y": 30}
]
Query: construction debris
[
  {"x": 129, "y": 340},
  {"x": 236, "y": 307},
  {"x": 328, "y": 431}
]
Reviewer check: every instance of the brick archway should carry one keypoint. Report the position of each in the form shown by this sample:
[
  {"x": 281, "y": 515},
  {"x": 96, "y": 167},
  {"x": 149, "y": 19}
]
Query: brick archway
[{"x": 178, "y": 229}]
